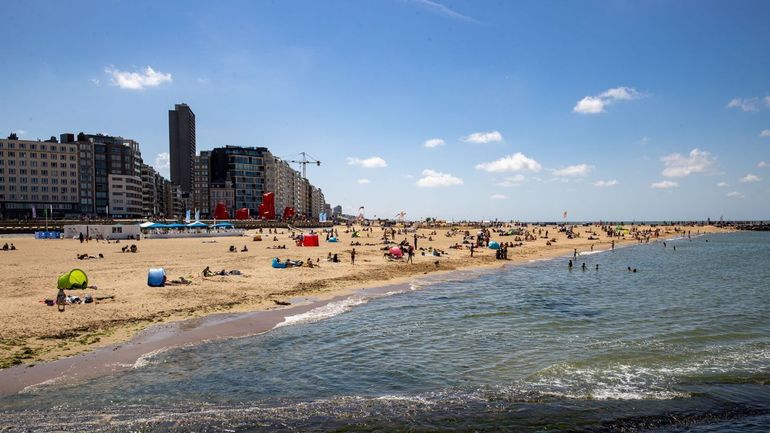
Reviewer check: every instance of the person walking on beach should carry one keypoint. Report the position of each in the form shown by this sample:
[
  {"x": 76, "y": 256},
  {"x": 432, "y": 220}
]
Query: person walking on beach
[
  {"x": 415, "y": 240},
  {"x": 353, "y": 257},
  {"x": 410, "y": 255},
  {"x": 81, "y": 237},
  {"x": 472, "y": 248},
  {"x": 613, "y": 245},
  {"x": 574, "y": 254}
]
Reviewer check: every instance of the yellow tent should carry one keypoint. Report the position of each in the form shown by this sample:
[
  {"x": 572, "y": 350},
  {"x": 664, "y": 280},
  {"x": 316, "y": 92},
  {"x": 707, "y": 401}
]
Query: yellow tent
[{"x": 74, "y": 279}]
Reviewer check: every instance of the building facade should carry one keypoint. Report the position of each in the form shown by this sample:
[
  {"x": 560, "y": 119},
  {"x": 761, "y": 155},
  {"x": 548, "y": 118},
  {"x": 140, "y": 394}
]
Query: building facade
[
  {"x": 181, "y": 140},
  {"x": 125, "y": 196},
  {"x": 99, "y": 157},
  {"x": 245, "y": 168},
  {"x": 201, "y": 200},
  {"x": 40, "y": 175}
]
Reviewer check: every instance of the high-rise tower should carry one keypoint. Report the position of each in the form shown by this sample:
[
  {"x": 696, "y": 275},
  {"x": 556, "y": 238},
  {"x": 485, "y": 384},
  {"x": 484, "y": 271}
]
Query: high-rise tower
[{"x": 181, "y": 141}]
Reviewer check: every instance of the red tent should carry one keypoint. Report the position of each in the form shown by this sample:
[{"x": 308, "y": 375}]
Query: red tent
[
  {"x": 288, "y": 213},
  {"x": 242, "y": 214},
  {"x": 310, "y": 241}
]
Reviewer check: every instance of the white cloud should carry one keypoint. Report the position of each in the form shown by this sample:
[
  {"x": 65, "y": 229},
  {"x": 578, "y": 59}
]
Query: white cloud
[
  {"x": 762, "y": 164},
  {"x": 605, "y": 183},
  {"x": 432, "y": 179},
  {"x": 767, "y": 100},
  {"x": 745, "y": 104},
  {"x": 440, "y": 9},
  {"x": 735, "y": 194},
  {"x": 511, "y": 181},
  {"x": 589, "y": 105},
  {"x": 373, "y": 162},
  {"x": 163, "y": 163},
  {"x": 678, "y": 165},
  {"x": 484, "y": 137},
  {"x": 202, "y": 80},
  {"x": 364, "y": 181},
  {"x": 138, "y": 80},
  {"x": 722, "y": 184},
  {"x": 750, "y": 178},
  {"x": 765, "y": 133},
  {"x": 498, "y": 197},
  {"x": 95, "y": 81},
  {"x": 597, "y": 104},
  {"x": 516, "y": 162},
  {"x": 666, "y": 184},
  {"x": 433, "y": 142},
  {"x": 574, "y": 170}
]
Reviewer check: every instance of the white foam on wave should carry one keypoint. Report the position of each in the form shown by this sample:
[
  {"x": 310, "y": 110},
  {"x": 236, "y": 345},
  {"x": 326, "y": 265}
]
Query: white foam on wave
[
  {"x": 146, "y": 359},
  {"x": 590, "y": 253},
  {"x": 324, "y": 312}
]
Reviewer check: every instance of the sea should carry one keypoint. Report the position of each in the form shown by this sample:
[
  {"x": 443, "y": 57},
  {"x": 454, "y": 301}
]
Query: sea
[{"x": 680, "y": 345}]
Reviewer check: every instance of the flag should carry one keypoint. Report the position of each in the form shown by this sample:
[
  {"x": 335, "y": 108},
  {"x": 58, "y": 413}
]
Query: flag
[
  {"x": 187, "y": 216},
  {"x": 34, "y": 212},
  {"x": 197, "y": 215}
]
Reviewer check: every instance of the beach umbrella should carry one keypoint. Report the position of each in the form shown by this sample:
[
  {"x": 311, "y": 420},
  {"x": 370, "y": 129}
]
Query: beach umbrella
[
  {"x": 147, "y": 225},
  {"x": 396, "y": 252},
  {"x": 74, "y": 279},
  {"x": 223, "y": 225},
  {"x": 197, "y": 224},
  {"x": 494, "y": 245}
]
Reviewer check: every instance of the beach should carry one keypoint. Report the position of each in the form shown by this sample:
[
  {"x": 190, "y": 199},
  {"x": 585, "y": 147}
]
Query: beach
[{"x": 35, "y": 332}]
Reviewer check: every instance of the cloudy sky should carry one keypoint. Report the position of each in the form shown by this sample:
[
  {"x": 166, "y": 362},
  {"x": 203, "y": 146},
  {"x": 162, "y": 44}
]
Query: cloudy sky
[{"x": 607, "y": 110}]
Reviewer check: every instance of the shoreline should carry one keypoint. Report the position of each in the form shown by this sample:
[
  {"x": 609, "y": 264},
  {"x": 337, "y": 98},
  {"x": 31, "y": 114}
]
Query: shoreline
[
  {"x": 117, "y": 331},
  {"x": 161, "y": 337}
]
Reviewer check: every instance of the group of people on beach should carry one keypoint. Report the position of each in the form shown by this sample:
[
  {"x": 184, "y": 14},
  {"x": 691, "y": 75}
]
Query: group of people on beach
[{"x": 6, "y": 247}]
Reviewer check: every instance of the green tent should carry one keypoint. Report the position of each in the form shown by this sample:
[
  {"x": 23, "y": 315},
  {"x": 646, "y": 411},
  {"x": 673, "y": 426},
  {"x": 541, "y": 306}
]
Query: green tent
[{"x": 74, "y": 279}]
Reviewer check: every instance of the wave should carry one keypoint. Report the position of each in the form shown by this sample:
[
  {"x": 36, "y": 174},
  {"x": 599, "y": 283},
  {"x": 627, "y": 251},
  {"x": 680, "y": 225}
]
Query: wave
[
  {"x": 324, "y": 312},
  {"x": 590, "y": 253}
]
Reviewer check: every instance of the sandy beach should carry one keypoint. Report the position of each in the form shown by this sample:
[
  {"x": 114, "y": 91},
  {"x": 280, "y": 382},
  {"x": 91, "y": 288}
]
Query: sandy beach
[{"x": 34, "y": 332}]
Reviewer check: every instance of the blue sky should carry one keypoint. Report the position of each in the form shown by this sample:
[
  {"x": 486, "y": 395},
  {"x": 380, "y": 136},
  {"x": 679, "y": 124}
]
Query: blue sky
[{"x": 606, "y": 110}]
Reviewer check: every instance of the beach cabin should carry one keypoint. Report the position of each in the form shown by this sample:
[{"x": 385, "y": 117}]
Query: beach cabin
[{"x": 102, "y": 231}]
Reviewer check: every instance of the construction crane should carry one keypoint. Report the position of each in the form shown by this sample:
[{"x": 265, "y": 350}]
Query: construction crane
[{"x": 306, "y": 159}]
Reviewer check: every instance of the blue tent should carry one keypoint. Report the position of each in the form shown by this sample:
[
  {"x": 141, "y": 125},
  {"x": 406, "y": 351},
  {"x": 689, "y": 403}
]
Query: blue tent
[
  {"x": 197, "y": 224},
  {"x": 175, "y": 226},
  {"x": 223, "y": 225}
]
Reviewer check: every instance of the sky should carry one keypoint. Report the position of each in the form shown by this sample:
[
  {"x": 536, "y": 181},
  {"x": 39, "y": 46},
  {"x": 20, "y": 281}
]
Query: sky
[{"x": 608, "y": 110}]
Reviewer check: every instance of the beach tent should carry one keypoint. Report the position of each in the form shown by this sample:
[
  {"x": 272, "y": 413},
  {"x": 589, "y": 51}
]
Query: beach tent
[
  {"x": 156, "y": 277},
  {"x": 277, "y": 264},
  {"x": 332, "y": 239},
  {"x": 223, "y": 225},
  {"x": 494, "y": 245},
  {"x": 147, "y": 225},
  {"x": 197, "y": 224},
  {"x": 175, "y": 226},
  {"x": 310, "y": 241},
  {"x": 396, "y": 252},
  {"x": 74, "y": 279}
]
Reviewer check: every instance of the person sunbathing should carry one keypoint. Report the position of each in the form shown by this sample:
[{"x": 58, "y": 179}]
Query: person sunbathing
[
  {"x": 244, "y": 250},
  {"x": 233, "y": 249},
  {"x": 207, "y": 272}
]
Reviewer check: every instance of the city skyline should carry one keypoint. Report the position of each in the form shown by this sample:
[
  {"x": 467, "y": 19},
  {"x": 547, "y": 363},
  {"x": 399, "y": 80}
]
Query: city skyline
[{"x": 440, "y": 109}]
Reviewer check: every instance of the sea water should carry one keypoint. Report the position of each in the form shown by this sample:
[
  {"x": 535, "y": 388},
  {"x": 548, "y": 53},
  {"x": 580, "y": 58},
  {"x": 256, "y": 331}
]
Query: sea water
[{"x": 683, "y": 344}]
